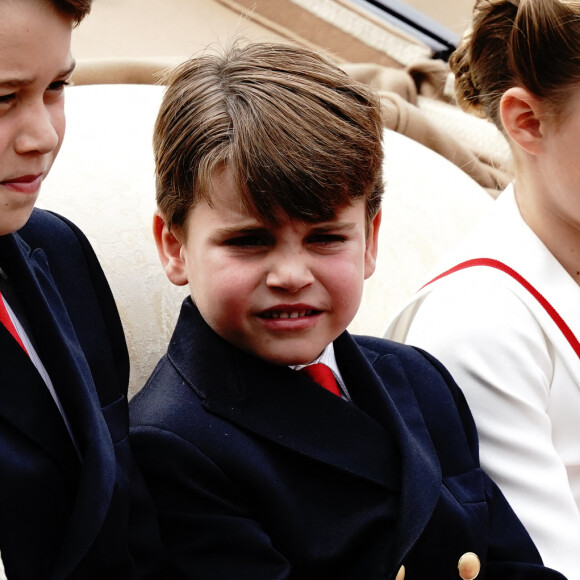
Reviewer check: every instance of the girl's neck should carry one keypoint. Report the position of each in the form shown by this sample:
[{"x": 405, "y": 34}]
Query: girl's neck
[{"x": 559, "y": 233}]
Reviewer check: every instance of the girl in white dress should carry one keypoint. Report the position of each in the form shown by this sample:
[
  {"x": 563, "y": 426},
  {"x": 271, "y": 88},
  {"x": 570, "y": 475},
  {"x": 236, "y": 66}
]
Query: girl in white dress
[{"x": 504, "y": 312}]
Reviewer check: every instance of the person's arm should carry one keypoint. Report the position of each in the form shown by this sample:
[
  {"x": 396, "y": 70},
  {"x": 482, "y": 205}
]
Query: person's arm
[
  {"x": 510, "y": 552},
  {"x": 498, "y": 355},
  {"x": 207, "y": 531}
]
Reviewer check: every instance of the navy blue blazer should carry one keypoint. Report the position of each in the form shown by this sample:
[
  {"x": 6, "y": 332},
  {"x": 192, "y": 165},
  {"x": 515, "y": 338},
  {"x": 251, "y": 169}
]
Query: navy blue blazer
[
  {"x": 66, "y": 512},
  {"x": 259, "y": 473}
]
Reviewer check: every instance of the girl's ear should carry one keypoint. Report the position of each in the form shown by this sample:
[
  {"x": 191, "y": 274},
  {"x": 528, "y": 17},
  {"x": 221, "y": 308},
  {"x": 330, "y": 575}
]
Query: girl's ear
[
  {"x": 523, "y": 118},
  {"x": 169, "y": 250}
]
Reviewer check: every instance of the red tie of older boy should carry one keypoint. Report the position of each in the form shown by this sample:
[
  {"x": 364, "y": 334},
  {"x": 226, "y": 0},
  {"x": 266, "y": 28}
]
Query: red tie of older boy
[
  {"x": 7, "y": 322},
  {"x": 321, "y": 374}
]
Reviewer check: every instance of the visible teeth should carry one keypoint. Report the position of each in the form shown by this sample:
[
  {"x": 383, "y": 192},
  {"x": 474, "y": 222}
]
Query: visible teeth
[{"x": 278, "y": 314}]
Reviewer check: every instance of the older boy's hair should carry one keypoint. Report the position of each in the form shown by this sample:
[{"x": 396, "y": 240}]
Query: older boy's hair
[
  {"x": 76, "y": 9},
  {"x": 301, "y": 137}
]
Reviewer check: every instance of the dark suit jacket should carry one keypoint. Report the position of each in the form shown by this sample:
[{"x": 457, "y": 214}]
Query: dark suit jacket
[
  {"x": 258, "y": 473},
  {"x": 66, "y": 513}
]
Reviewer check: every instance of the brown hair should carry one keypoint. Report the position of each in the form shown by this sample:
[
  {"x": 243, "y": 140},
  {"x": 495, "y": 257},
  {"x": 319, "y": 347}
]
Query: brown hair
[
  {"x": 76, "y": 9},
  {"x": 301, "y": 137},
  {"x": 533, "y": 44}
]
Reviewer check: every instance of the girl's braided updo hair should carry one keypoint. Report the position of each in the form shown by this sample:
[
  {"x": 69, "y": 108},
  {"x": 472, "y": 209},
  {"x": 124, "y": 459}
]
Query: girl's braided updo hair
[{"x": 534, "y": 44}]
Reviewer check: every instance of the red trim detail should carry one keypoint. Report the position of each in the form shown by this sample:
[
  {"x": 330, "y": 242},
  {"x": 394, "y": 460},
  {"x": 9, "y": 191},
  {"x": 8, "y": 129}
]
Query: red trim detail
[{"x": 564, "y": 328}]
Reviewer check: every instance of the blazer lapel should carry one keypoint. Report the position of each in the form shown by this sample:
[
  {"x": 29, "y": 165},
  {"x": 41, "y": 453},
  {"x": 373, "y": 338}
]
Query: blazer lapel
[
  {"x": 311, "y": 421},
  {"x": 72, "y": 380},
  {"x": 26, "y": 403},
  {"x": 281, "y": 405},
  {"x": 381, "y": 436}
]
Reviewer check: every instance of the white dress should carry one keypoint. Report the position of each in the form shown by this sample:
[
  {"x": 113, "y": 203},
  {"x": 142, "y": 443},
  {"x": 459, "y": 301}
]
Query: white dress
[{"x": 517, "y": 368}]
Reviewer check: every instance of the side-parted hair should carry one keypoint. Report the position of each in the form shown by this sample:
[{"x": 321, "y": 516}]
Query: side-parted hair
[
  {"x": 534, "y": 44},
  {"x": 300, "y": 137},
  {"x": 76, "y": 9}
]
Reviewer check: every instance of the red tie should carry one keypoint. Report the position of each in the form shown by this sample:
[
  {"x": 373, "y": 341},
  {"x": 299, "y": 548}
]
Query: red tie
[
  {"x": 322, "y": 375},
  {"x": 7, "y": 322}
]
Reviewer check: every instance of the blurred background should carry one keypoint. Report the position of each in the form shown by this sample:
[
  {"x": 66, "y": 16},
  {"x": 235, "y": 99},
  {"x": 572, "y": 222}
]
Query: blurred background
[{"x": 145, "y": 28}]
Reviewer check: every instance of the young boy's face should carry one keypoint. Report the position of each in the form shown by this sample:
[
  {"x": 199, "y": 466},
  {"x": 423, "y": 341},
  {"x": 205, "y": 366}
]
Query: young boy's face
[
  {"x": 281, "y": 293},
  {"x": 35, "y": 62}
]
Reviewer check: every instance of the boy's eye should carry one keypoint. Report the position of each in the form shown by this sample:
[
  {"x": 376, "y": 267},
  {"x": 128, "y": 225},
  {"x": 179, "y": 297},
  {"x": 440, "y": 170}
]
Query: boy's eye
[
  {"x": 58, "y": 85},
  {"x": 4, "y": 99},
  {"x": 326, "y": 239},
  {"x": 248, "y": 241}
]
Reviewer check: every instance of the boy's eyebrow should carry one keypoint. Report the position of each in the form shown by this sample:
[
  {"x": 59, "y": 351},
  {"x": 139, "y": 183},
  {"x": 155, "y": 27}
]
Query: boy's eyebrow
[
  {"x": 334, "y": 226},
  {"x": 240, "y": 229},
  {"x": 13, "y": 83}
]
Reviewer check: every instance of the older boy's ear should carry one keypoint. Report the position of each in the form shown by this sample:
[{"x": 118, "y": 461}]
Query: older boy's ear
[
  {"x": 522, "y": 117},
  {"x": 169, "y": 250},
  {"x": 372, "y": 245}
]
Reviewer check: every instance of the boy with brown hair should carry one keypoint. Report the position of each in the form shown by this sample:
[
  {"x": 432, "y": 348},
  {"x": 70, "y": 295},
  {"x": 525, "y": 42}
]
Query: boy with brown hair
[
  {"x": 269, "y": 181},
  {"x": 72, "y": 504}
]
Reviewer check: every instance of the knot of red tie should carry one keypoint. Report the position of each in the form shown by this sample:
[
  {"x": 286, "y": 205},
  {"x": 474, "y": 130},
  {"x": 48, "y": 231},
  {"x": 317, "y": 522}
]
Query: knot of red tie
[{"x": 321, "y": 374}]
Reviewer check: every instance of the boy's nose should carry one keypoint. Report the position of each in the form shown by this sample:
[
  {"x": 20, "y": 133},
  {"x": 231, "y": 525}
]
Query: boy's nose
[
  {"x": 38, "y": 133},
  {"x": 290, "y": 275}
]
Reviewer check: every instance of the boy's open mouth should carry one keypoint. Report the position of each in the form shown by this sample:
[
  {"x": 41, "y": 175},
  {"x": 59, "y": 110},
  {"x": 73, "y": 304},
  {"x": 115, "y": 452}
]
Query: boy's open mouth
[{"x": 288, "y": 314}]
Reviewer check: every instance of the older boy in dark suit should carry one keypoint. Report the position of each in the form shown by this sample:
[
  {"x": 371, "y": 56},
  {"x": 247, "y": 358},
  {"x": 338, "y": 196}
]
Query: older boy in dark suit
[
  {"x": 269, "y": 186},
  {"x": 72, "y": 504}
]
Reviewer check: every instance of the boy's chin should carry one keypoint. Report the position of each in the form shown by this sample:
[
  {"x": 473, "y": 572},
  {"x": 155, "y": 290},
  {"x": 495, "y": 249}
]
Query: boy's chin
[{"x": 12, "y": 221}]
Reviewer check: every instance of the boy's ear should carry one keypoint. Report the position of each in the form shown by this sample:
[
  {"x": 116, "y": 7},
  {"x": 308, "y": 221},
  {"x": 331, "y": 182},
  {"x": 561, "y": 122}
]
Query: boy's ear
[
  {"x": 372, "y": 245},
  {"x": 523, "y": 119},
  {"x": 169, "y": 250}
]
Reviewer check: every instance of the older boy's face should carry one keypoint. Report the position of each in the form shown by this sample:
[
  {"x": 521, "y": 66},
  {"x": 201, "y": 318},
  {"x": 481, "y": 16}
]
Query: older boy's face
[
  {"x": 35, "y": 63},
  {"x": 281, "y": 293}
]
